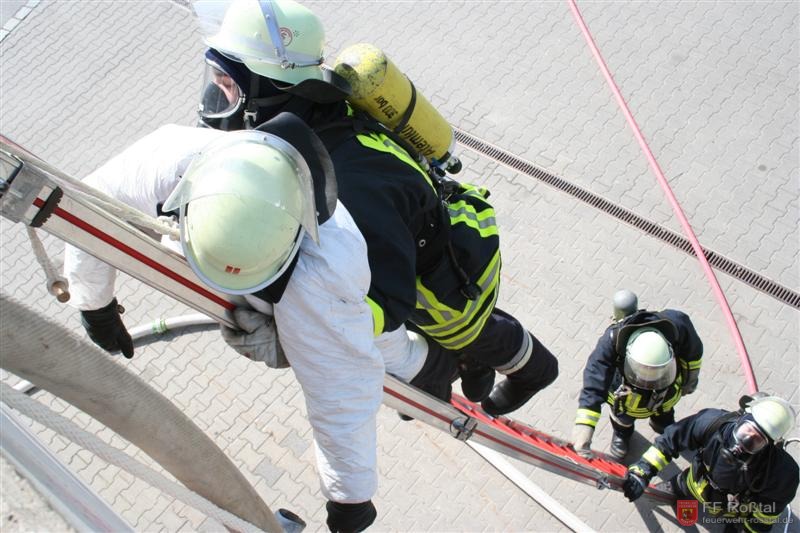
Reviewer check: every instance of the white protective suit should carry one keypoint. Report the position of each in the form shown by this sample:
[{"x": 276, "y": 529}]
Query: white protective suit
[{"x": 323, "y": 321}]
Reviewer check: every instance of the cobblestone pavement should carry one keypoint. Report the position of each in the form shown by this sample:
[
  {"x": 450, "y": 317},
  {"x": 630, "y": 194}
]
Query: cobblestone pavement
[{"x": 714, "y": 87}]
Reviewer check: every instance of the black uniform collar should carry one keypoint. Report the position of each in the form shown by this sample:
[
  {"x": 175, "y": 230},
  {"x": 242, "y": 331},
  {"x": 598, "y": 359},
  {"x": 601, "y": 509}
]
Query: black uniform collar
[{"x": 643, "y": 318}]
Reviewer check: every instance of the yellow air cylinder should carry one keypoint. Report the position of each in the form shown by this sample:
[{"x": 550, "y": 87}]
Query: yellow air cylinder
[{"x": 380, "y": 89}]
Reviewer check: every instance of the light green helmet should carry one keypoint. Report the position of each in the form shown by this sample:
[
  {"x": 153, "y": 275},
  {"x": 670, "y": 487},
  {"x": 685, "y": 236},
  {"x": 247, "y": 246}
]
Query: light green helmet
[
  {"x": 773, "y": 415},
  {"x": 278, "y": 39},
  {"x": 649, "y": 362},
  {"x": 245, "y": 202}
]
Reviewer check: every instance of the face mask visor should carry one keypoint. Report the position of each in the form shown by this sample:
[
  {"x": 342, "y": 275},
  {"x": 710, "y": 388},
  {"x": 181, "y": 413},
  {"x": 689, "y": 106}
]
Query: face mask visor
[
  {"x": 650, "y": 377},
  {"x": 221, "y": 96},
  {"x": 749, "y": 438}
]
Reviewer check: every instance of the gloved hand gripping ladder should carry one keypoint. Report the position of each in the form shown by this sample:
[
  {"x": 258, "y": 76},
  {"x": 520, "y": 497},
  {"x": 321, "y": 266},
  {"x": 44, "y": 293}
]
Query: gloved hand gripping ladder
[{"x": 34, "y": 193}]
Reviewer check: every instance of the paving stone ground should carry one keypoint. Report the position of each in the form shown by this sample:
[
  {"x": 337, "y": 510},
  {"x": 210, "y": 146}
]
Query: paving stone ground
[{"x": 714, "y": 87}]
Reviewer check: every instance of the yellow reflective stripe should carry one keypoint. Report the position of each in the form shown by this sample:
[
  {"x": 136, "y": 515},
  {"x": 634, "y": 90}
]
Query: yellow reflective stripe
[
  {"x": 427, "y": 300},
  {"x": 632, "y": 402},
  {"x": 587, "y": 417},
  {"x": 378, "y": 320},
  {"x": 382, "y": 143},
  {"x": 689, "y": 365},
  {"x": 448, "y": 320},
  {"x": 696, "y": 488},
  {"x": 474, "y": 190},
  {"x": 666, "y": 406},
  {"x": 465, "y": 212},
  {"x": 765, "y": 518},
  {"x": 459, "y": 341},
  {"x": 631, "y": 408},
  {"x": 654, "y": 456},
  {"x": 453, "y": 329}
]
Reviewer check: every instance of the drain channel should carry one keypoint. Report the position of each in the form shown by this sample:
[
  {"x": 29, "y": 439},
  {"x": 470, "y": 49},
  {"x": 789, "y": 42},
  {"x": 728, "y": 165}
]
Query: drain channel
[{"x": 718, "y": 261}]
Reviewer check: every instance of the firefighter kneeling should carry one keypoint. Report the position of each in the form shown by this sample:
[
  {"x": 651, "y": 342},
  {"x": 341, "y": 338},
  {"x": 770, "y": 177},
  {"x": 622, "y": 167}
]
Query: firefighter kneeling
[{"x": 740, "y": 472}]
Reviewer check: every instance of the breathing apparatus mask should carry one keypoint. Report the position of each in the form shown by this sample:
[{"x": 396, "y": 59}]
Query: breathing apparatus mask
[
  {"x": 233, "y": 98},
  {"x": 272, "y": 49},
  {"x": 747, "y": 440}
]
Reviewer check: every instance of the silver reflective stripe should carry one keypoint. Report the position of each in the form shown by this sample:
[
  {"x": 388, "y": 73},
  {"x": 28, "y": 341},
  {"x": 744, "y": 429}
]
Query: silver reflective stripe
[
  {"x": 520, "y": 359},
  {"x": 466, "y": 315},
  {"x": 428, "y": 306},
  {"x": 482, "y": 224}
]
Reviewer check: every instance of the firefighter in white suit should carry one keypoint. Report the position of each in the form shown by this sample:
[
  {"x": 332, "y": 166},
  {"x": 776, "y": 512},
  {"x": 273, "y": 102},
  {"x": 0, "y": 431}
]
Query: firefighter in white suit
[{"x": 259, "y": 218}]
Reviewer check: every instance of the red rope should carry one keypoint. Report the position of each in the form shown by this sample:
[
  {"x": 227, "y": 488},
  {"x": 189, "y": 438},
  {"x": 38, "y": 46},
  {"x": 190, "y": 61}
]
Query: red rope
[{"x": 687, "y": 229}]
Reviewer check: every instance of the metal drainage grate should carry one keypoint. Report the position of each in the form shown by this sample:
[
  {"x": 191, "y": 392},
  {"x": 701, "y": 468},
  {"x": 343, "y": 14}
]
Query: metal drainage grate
[{"x": 718, "y": 261}]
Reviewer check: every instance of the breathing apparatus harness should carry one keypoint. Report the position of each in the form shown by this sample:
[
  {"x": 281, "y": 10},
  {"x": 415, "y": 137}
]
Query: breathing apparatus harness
[
  {"x": 266, "y": 98},
  {"x": 621, "y": 331},
  {"x": 754, "y": 479},
  {"x": 436, "y": 233}
]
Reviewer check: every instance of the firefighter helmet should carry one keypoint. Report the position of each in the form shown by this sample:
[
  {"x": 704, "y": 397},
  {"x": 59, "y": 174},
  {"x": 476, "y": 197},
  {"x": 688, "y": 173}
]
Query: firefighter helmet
[
  {"x": 775, "y": 416},
  {"x": 649, "y": 362},
  {"x": 277, "y": 39},
  {"x": 245, "y": 204}
]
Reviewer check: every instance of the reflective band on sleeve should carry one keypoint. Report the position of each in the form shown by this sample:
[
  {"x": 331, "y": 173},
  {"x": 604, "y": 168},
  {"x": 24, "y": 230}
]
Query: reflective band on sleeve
[
  {"x": 520, "y": 359},
  {"x": 654, "y": 456},
  {"x": 689, "y": 365},
  {"x": 378, "y": 321},
  {"x": 587, "y": 417},
  {"x": 464, "y": 212}
]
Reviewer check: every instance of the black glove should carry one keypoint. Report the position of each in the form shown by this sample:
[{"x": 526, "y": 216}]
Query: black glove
[
  {"x": 350, "y": 517},
  {"x": 637, "y": 479},
  {"x": 106, "y": 329}
]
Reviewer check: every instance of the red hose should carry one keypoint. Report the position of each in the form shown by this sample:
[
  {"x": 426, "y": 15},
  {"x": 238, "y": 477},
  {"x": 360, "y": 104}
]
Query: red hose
[{"x": 687, "y": 229}]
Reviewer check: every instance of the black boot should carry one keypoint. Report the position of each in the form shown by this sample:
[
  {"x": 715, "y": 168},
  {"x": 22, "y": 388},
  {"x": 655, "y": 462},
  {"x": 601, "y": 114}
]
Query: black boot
[
  {"x": 619, "y": 445},
  {"x": 476, "y": 380},
  {"x": 520, "y": 386}
]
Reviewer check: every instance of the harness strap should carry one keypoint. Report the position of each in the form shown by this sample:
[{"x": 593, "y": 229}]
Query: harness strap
[
  {"x": 718, "y": 423},
  {"x": 409, "y": 110},
  {"x": 334, "y": 134}
]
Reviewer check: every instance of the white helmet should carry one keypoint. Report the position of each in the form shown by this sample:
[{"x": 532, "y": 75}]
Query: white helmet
[
  {"x": 245, "y": 202},
  {"x": 649, "y": 362},
  {"x": 773, "y": 415},
  {"x": 278, "y": 39}
]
